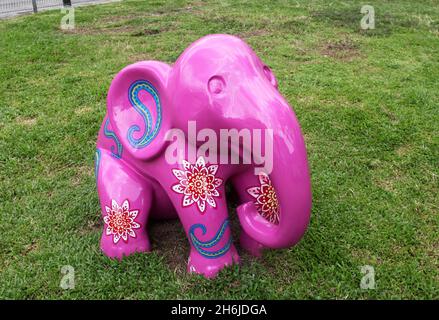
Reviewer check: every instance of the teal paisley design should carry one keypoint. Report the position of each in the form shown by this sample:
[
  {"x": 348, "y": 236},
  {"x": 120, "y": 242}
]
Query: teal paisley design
[
  {"x": 151, "y": 130},
  {"x": 97, "y": 163},
  {"x": 110, "y": 134},
  {"x": 200, "y": 246}
]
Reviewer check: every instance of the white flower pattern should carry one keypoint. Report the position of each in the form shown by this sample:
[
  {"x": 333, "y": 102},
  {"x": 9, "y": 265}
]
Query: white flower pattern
[
  {"x": 120, "y": 221},
  {"x": 198, "y": 184}
]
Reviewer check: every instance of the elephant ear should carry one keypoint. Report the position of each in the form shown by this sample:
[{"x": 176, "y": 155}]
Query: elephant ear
[{"x": 137, "y": 105}]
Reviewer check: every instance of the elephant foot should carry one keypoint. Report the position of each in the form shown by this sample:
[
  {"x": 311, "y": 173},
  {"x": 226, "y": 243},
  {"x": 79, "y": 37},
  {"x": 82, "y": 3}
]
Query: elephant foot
[
  {"x": 250, "y": 245},
  {"x": 210, "y": 267},
  {"x": 124, "y": 248}
]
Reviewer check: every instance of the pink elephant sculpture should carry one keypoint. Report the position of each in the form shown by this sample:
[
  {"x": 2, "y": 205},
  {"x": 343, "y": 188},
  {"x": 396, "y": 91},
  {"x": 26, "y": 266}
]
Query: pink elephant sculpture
[{"x": 157, "y": 155}]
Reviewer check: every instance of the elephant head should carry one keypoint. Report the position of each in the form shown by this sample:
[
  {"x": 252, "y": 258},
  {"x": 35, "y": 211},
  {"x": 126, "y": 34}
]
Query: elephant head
[
  {"x": 235, "y": 89},
  {"x": 219, "y": 82}
]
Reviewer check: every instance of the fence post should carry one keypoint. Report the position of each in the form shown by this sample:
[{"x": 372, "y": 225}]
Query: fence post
[{"x": 34, "y": 5}]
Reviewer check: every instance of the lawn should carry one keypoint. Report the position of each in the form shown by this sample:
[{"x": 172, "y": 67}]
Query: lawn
[{"x": 367, "y": 101}]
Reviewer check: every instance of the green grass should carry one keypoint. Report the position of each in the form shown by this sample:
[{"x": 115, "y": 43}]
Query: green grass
[{"x": 367, "y": 101}]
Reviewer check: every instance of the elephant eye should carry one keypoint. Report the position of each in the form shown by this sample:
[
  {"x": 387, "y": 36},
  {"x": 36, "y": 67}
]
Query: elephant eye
[
  {"x": 270, "y": 76},
  {"x": 216, "y": 84}
]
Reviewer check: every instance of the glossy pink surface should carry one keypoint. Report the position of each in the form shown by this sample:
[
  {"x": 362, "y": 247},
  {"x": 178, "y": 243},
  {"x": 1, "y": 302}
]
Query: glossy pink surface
[{"x": 220, "y": 83}]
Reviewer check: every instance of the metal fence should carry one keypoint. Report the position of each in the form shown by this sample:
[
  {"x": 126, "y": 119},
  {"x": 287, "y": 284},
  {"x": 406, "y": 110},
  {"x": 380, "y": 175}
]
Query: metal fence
[
  {"x": 10, "y": 7},
  {"x": 18, "y": 6}
]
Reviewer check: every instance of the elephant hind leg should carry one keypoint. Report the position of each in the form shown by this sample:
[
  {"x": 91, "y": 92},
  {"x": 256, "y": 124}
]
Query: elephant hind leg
[{"x": 125, "y": 199}]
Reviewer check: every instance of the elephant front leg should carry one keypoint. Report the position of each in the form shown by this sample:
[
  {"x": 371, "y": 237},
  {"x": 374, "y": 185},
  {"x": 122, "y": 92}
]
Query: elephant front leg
[
  {"x": 199, "y": 196},
  {"x": 125, "y": 199},
  {"x": 212, "y": 248}
]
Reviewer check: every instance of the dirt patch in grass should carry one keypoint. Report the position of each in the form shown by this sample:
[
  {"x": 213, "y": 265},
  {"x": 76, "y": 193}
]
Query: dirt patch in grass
[
  {"x": 122, "y": 30},
  {"x": 386, "y": 185},
  {"x": 389, "y": 182},
  {"x": 365, "y": 256},
  {"x": 171, "y": 10},
  {"x": 169, "y": 240},
  {"x": 117, "y": 19},
  {"x": 127, "y": 26},
  {"x": 149, "y": 32},
  {"x": 158, "y": 13},
  {"x": 81, "y": 173},
  {"x": 33, "y": 246},
  {"x": 139, "y": 57},
  {"x": 85, "y": 170},
  {"x": 83, "y": 110},
  {"x": 390, "y": 115},
  {"x": 433, "y": 251},
  {"x": 344, "y": 50},
  {"x": 93, "y": 226},
  {"x": 119, "y": 31},
  {"x": 252, "y": 33},
  {"x": 28, "y": 122},
  {"x": 297, "y": 25},
  {"x": 403, "y": 150}
]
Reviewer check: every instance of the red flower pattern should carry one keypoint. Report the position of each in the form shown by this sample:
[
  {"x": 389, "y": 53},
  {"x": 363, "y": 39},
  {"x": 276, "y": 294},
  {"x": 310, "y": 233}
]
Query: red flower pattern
[
  {"x": 198, "y": 184},
  {"x": 120, "y": 221},
  {"x": 266, "y": 200}
]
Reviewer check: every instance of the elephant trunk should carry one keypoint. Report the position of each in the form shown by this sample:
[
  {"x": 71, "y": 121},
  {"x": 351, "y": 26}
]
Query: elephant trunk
[{"x": 291, "y": 181}]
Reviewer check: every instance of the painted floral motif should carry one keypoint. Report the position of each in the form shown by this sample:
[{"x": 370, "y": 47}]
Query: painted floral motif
[
  {"x": 198, "y": 184},
  {"x": 266, "y": 201},
  {"x": 120, "y": 221}
]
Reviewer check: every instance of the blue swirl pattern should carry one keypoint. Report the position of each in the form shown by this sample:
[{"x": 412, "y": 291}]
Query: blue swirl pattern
[
  {"x": 151, "y": 130},
  {"x": 200, "y": 246},
  {"x": 97, "y": 163},
  {"x": 110, "y": 134}
]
